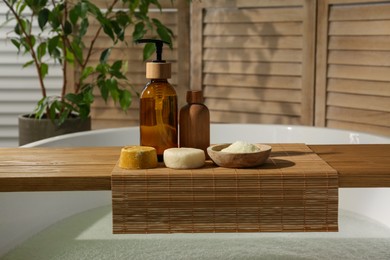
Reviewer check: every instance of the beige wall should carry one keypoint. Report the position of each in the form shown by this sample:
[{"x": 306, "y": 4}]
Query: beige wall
[{"x": 323, "y": 63}]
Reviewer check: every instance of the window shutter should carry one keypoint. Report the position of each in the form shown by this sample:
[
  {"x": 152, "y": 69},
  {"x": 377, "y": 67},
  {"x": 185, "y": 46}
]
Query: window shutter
[
  {"x": 255, "y": 60},
  {"x": 19, "y": 87},
  {"x": 353, "y": 71}
]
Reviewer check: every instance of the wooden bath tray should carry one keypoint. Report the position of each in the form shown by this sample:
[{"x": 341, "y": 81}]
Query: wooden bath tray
[
  {"x": 294, "y": 191},
  {"x": 89, "y": 168}
]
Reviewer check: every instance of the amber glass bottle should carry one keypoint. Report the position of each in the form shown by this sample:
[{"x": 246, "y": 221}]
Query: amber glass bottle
[
  {"x": 194, "y": 122},
  {"x": 158, "y": 104},
  {"x": 158, "y": 116}
]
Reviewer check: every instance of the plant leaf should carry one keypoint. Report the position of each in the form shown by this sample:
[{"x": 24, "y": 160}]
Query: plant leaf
[
  {"x": 104, "y": 56},
  {"x": 16, "y": 43},
  {"x": 28, "y": 63},
  {"x": 113, "y": 88},
  {"x": 41, "y": 50},
  {"x": 103, "y": 89},
  {"x": 43, "y": 17},
  {"x": 116, "y": 66},
  {"x": 149, "y": 50},
  {"x": 53, "y": 110},
  {"x": 77, "y": 51},
  {"x": 83, "y": 27},
  {"x": 125, "y": 99},
  {"x": 40, "y": 109},
  {"x": 139, "y": 31},
  {"x": 88, "y": 97},
  {"x": 86, "y": 72},
  {"x": 44, "y": 69},
  {"x": 67, "y": 28},
  {"x": 164, "y": 32},
  {"x": 63, "y": 116},
  {"x": 73, "y": 98},
  {"x": 75, "y": 13},
  {"x": 52, "y": 44}
]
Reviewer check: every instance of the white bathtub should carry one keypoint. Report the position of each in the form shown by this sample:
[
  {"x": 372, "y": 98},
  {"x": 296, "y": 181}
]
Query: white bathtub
[{"x": 24, "y": 214}]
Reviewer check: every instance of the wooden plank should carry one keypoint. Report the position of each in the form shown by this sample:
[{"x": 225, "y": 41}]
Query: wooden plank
[
  {"x": 101, "y": 104},
  {"x": 254, "y": 106},
  {"x": 379, "y": 43},
  {"x": 266, "y": 55},
  {"x": 363, "y": 87},
  {"x": 374, "y": 58},
  {"x": 216, "y": 4},
  {"x": 321, "y": 63},
  {"x": 268, "y": 3},
  {"x": 57, "y": 169},
  {"x": 221, "y": 15},
  {"x": 163, "y": 3},
  {"x": 376, "y": 103},
  {"x": 381, "y": 27},
  {"x": 115, "y": 114},
  {"x": 183, "y": 53},
  {"x": 368, "y": 117},
  {"x": 243, "y": 94},
  {"x": 353, "y": 2},
  {"x": 103, "y": 123},
  {"x": 377, "y": 11},
  {"x": 196, "y": 46},
  {"x": 373, "y": 129},
  {"x": 75, "y": 168},
  {"x": 252, "y": 118},
  {"x": 258, "y": 42},
  {"x": 308, "y": 63},
  {"x": 287, "y": 69},
  {"x": 280, "y": 82},
  {"x": 252, "y": 29},
  {"x": 359, "y": 72},
  {"x": 358, "y": 165}
]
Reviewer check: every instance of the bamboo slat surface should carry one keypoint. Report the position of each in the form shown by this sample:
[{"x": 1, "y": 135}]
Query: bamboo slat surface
[
  {"x": 60, "y": 169},
  {"x": 294, "y": 191}
]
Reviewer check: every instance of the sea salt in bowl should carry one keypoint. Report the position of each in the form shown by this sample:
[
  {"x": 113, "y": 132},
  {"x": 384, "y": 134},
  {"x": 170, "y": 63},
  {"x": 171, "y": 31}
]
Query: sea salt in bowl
[{"x": 238, "y": 160}]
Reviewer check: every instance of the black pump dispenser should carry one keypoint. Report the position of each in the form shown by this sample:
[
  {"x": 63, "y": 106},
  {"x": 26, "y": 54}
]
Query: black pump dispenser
[
  {"x": 158, "y": 68},
  {"x": 159, "y": 47}
]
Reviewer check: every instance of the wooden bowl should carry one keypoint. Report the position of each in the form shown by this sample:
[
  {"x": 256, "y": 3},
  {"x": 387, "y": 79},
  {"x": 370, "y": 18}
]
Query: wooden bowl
[{"x": 238, "y": 160}]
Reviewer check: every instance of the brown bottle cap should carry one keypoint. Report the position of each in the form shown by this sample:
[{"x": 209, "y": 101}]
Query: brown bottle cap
[
  {"x": 158, "y": 70},
  {"x": 194, "y": 96}
]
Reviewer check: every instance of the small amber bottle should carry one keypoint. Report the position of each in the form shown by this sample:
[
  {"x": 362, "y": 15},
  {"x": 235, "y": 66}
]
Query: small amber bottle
[
  {"x": 158, "y": 107},
  {"x": 194, "y": 122}
]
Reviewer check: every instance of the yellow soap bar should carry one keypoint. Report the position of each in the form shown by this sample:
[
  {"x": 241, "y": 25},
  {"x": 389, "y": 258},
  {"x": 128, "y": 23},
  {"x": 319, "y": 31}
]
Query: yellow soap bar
[{"x": 138, "y": 157}]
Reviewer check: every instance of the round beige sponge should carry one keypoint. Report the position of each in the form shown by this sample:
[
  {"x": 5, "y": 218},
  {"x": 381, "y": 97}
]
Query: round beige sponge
[
  {"x": 138, "y": 157},
  {"x": 184, "y": 158}
]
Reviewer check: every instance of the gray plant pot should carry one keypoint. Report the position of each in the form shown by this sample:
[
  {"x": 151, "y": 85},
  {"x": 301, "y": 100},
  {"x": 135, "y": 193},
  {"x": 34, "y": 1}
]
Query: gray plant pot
[{"x": 31, "y": 129}]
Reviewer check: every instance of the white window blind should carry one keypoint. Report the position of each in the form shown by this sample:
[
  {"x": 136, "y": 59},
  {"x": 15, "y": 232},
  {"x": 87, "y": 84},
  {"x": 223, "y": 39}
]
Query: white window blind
[{"x": 19, "y": 87}]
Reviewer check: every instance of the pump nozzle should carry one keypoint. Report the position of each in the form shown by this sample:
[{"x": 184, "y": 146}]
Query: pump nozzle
[{"x": 159, "y": 47}]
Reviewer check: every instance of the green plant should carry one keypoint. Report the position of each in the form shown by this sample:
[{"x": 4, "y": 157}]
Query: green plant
[{"x": 62, "y": 25}]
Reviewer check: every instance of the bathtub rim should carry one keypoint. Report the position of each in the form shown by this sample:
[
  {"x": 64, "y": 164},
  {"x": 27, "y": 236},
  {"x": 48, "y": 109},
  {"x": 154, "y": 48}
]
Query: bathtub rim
[{"x": 213, "y": 127}]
